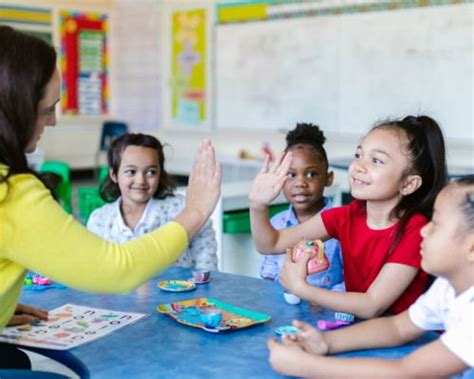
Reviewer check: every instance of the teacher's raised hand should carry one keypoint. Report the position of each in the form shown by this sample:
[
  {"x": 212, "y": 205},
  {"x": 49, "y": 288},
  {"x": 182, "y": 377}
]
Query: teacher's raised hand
[{"x": 204, "y": 188}]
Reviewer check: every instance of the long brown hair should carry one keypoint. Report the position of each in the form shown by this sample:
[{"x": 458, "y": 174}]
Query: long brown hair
[{"x": 27, "y": 64}]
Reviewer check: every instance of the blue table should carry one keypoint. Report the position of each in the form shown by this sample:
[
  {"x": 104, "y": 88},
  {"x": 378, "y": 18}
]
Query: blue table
[{"x": 160, "y": 347}]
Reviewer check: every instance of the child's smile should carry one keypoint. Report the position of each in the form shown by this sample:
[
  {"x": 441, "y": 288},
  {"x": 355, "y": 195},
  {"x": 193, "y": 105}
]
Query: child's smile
[{"x": 138, "y": 175}]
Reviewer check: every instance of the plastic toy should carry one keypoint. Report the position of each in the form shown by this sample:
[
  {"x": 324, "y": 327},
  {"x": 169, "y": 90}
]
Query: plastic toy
[
  {"x": 340, "y": 316},
  {"x": 176, "y": 285},
  {"x": 200, "y": 277},
  {"x": 287, "y": 330},
  {"x": 42, "y": 281},
  {"x": 191, "y": 312},
  {"x": 37, "y": 282},
  {"x": 328, "y": 325},
  {"x": 318, "y": 261},
  {"x": 291, "y": 298},
  {"x": 211, "y": 317}
]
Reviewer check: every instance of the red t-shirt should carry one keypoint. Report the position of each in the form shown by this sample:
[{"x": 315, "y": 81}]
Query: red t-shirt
[{"x": 365, "y": 251}]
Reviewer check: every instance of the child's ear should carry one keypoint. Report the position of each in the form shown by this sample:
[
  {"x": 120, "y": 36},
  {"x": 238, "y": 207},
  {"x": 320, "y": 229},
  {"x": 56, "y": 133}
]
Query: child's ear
[
  {"x": 329, "y": 178},
  {"x": 410, "y": 184},
  {"x": 470, "y": 244},
  {"x": 112, "y": 176}
]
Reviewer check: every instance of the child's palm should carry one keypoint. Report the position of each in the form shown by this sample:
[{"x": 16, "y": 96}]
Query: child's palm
[
  {"x": 310, "y": 339},
  {"x": 269, "y": 182}
]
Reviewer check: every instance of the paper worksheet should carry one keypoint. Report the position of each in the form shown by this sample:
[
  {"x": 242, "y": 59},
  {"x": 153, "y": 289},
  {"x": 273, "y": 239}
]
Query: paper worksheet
[{"x": 69, "y": 326}]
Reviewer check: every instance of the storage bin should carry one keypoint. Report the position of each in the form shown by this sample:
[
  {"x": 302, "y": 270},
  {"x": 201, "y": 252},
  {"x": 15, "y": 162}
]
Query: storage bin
[{"x": 236, "y": 222}]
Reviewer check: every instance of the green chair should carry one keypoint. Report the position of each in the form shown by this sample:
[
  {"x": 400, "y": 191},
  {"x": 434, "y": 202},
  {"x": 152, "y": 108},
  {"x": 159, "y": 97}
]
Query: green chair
[
  {"x": 88, "y": 199},
  {"x": 64, "y": 190},
  {"x": 103, "y": 173}
]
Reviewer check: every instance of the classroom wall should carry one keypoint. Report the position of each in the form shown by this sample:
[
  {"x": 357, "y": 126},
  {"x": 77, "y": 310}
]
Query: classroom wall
[
  {"x": 231, "y": 140},
  {"x": 140, "y": 48},
  {"x": 75, "y": 138},
  {"x": 348, "y": 68},
  {"x": 138, "y": 63}
]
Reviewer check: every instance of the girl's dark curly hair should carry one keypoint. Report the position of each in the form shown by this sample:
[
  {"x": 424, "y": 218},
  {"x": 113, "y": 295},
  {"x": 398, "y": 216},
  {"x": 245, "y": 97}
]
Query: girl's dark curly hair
[
  {"x": 110, "y": 191},
  {"x": 308, "y": 135},
  {"x": 467, "y": 203}
]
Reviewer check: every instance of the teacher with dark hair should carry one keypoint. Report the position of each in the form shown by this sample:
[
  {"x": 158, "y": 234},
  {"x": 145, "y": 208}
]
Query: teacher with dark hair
[{"x": 35, "y": 233}]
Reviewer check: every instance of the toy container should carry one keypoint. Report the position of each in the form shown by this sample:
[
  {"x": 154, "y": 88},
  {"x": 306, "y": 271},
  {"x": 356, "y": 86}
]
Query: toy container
[{"x": 318, "y": 261}]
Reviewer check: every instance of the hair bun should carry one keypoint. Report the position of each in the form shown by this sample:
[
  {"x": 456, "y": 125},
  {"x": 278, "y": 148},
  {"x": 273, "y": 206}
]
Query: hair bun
[{"x": 306, "y": 133}]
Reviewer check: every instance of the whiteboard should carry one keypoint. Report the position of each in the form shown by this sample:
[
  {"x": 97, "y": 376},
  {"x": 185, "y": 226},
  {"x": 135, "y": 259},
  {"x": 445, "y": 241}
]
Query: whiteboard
[{"x": 346, "y": 72}]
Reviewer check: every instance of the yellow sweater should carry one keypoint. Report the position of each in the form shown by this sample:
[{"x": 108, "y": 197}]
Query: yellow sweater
[{"x": 36, "y": 234}]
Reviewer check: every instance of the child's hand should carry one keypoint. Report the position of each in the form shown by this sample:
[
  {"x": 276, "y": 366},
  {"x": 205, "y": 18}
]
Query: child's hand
[
  {"x": 286, "y": 357},
  {"x": 310, "y": 339},
  {"x": 269, "y": 182},
  {"x": 204, "y": 184},
  {"x": 25, "y": 314},
  {"x": 293, "y": 274}
]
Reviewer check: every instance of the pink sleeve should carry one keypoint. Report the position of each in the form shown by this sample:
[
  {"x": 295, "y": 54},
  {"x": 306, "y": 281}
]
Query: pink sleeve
[{"x": 408, "y": 250}]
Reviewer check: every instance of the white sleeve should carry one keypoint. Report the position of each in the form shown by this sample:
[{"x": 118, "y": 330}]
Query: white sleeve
[
  {"x": 201, "y": 253},
  {"x": 424, "y": 312},
  {"x": 95, "y": 222},
  {"x": 458, "y": 337}
]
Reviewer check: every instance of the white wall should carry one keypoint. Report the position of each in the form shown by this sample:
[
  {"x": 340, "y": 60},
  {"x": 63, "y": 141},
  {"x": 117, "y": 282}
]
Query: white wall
[
  {"x": 140, "y": 43},
  {"x": 138, "y": 72}
]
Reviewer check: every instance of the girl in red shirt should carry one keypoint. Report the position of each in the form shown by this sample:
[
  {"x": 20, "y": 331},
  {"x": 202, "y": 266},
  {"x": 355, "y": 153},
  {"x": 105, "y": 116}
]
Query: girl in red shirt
[{"x": 398, "y": 169}]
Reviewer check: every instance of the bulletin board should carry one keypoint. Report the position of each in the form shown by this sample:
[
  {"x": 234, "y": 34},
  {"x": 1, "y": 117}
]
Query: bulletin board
[
  {"x": 344, "y": 68},
  {"x": 84, "y": 63},
  {"x": 189, "y": 67}
]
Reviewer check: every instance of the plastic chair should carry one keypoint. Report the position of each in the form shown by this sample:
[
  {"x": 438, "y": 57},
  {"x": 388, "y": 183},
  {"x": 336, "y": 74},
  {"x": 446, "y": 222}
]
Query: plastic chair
[
  {"x": 110, "y": 131},
  {"x": 64, "y": 190},
  {"x": 88, "y": 199},
  {"x": 25, "y": 374},
  {"x": 64, "y": 357},
  {"x": 103, "y": 173}
]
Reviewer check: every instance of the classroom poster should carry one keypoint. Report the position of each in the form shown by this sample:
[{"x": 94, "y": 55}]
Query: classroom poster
[
  {"x": 84, "y": 63},
  {"x": 229, "y": 12},
  {"x": 31, "y": 20},
  {"x": 188, "y": 76}
]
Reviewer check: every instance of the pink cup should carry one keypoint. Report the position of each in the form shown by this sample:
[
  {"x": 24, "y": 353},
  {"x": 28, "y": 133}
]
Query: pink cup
[{"x": 201, "y": 276}]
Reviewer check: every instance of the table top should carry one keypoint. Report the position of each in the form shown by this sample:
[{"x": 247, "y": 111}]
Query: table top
[{"x": 158, "y": 346}]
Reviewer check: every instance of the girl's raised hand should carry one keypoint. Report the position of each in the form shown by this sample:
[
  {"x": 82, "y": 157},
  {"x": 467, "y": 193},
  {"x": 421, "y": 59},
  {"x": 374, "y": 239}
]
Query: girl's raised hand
[
  {"x": 269, "y": 182},
  {"x": 310, "y": 339}
]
